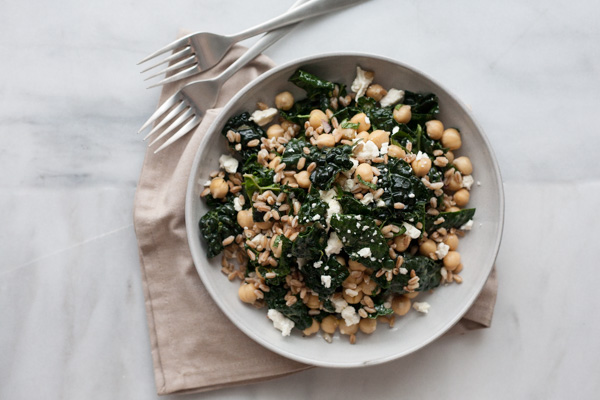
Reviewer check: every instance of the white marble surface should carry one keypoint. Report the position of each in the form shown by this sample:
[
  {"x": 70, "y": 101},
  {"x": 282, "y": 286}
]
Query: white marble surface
[{"x": 72, "y": 319}]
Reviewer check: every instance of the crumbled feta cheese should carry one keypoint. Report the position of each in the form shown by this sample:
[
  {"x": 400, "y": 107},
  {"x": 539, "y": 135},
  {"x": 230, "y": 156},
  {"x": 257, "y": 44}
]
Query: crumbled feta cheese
[
  {"x": 442, "y": 250},
  {"x": 280, "y": 322},
  {"x": 421, "y": 155},
  {"x": 365, "y": 228},
  {"x": 467, "y": 226},
  {"x": 478, "y": 183},
  {"x": 367, "y": 199},
  {"x": 369, "y": 151},
  {"x": 349, "y": 172},
  {"x": 228, "y": 163},
  {"x": 367, "y": 120},
  {"x": 301, "y": 262},
  {"x": 316, "y": 217},
  {"x": 348, "y": 185},
  {"x": 318, "y": 264},
  {"x": 207, "y": 183},
  {"x": 403, "y": 271},
  {"x": 395, "y": 129},
  {"x": 256, "y": 240},
  {"x": 333, "y": 206},
  {"x": 411, "y": 231},
  {"x": 393, "y": 96},
  {"x": 236, "y": 204},
  {"x": 365, "y": 252},
  {"x": 339, "y": 303},
  {"x": 326, "y": 281},
  {"x": 411, "y": 195},
  {"x": 361, "y": 82},
  {"x": 350, "y": 316},
  {"x": 384, "y": 148},
  {"x": 467, "y": 182},
  {"x": 334, "y": 244},
  {"x": 380, "y": 203},
  {"x": 422, "y": 307},
  {"x": 263, "y": 117}
]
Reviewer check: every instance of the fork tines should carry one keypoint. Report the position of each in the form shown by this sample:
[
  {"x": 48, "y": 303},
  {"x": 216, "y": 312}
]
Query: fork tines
[
  {"x": 182, "y": 58},
  {"x": 180, "y": 115}
]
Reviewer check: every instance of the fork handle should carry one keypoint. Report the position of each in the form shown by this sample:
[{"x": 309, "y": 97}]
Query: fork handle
[
  {"x": 262, "y": 44},
  {"x": 311, "y": 9}
]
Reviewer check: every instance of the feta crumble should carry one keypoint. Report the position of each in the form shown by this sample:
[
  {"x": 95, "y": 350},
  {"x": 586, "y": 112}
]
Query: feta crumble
[
  {"x": 236, "y": 204},
  {"x": 467, "y": 182},
  {"x": 365, "y": 252},
  {"x": 467, "y": 226},
  {"x": 395, "y": 129},
  {"x": 339, "y": 303},
  {"x": 350, "y": 316},
  {"x": 361, "y": 82},
  {"x": 318, "y": 264},
  {"x": 280, "y": 322},
  {"x": 333, "y": 206},
  {"x": 384, "y": 148},
  {"x": 411, "y": 231},
  {"x": 380, "y": 203},
  {"x": 326, "y": 281},
  {"x": 369, "y": 151},
  {"x": 367, "y": 199},
  {"x": 334, "y": 244},
  {"x": 393, "y": 96},
  {"x": 442, "y": 250},
  {"x": 421, "y": 155},
  {"x": 228, "y": 163},
  {"x": 422, "y": 307},
  {"x": 263, "y": 117}
]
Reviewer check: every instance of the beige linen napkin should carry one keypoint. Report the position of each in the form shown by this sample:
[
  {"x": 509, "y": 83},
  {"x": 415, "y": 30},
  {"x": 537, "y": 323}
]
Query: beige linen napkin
[{"x": 194, "y": 346}]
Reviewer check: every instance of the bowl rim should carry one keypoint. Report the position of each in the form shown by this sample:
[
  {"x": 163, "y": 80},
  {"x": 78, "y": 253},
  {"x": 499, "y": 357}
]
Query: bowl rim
[{"x": 199, "y": 258}]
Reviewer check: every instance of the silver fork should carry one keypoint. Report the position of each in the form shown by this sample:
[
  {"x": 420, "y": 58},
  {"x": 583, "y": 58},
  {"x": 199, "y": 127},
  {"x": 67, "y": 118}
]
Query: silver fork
[
  {"x": 185, "y": 109},
  {"x": 201, "y": 51}
]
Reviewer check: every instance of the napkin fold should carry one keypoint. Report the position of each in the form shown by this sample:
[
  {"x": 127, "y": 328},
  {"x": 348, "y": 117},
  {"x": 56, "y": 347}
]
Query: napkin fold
[{"x": 195, "y": 347}]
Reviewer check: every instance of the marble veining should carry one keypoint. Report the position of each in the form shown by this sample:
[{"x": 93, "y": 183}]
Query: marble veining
[{"x": 72, "y": 317}]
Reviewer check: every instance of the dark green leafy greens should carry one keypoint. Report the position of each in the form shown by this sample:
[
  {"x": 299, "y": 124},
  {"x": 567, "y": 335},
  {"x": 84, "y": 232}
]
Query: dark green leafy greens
[
  {"x": 329, "y": 267},
  {"x": 298, "y": 312},
  {"x": 217, "y": 225},
  {"x": 330, "y": 162},
  {"x": 248, "y": 131}
]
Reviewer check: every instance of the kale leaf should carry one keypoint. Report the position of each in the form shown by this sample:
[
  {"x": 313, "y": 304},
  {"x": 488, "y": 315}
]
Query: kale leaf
[
  {"x": 330, "y": 161},
  {"x": 294, "y": 151},
  {"x": 359, "y": 232},
  {"x": 297, "y": 312},
  {"x": 315, "y": 87},
  {"x": 423, "y": 106},
  {"x": 283, "y": 268},
  {"x": 310, "y": 243},
  {"x": 380, "y": 311},
  {"x": 329, "y": 267},
  {"x": 401, "y": 186},
  {"x": 248, "y": 131},
  {"x": 313, "y": 209},
  {"x": 451, "y": 219},
  {"x": 425, "y": 268},
  {"x": 217, "y": 225}
]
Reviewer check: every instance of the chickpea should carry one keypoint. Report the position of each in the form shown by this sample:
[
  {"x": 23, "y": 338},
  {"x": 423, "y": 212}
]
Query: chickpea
[
  {"x": 367, "y": 325},
  {"x": 244, "y": 218},
  {"x": 364, "y": 136},
  {"x": 422, "y": 166},
  {"x": 450, "y": 156},
  {"x": 401, "y": 305},
  {"x": 264, "y": 225},
  {"x": 303, "y": 179},
  {"x": 275, "y": 131},
  {"x": 454, "y": 184},
  {"x": 461, "y": 197},
  {"x": 379, "y": 137},
  {"x": 329, "y": 324},
  {"x": 434, "y": 129},
  {"x": 451, "y": 139},
  {"x": 348, "y": 330},
  {"x": 453, "y": 209},
  {"x": 452, "y": 260},
  {"x": 219, "y": 188},
  {"x": 402, "y": 242},
  {"x": 402, "y": 114},
  {"x": 276, "y": 249},
  {"x": 325, "y": 140},
  {"x": 365, "y": 171},
  {"x": 396, "y": 151},
  {"x": 246, "y": 293},
  {"x": 284, "y": 101},
  {"x": 362, "y": 120},
  {"x": 353, "y": 299},
  {"x": 376, "y": 92},
  {"x": 316, "y": 118},
  {"x": 411, "y": 295},
  {"x": 313, "y": 302},
  {"x": 458, "y": 269},
  {"x": 356, "y": 266},
  {"x": 287, "y": 124},
  {"x": 368, "y": 288},
  {"x": 463, "y": 164},
  {"x": 428, "y": 247},
  {"x": 451, "y": 241},
  {"x": 314, "y": 328}
]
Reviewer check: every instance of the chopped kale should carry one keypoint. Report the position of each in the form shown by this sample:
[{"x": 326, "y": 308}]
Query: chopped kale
[
  {"x": 313, "y": 209},
  {"x": 294, "y": 151},
  {"x": 314, "y": 86},
  {"x": 298, "y": 312},
  {"x": 326, "y": 266},
  {"x": 330, "y": 162},
  {"x": 248, "y": 131},
  {"x": 451, "y": 219},
  {"x": 217, "y": 225},
  {"x": 284, "y": 266},
  {"x": 310, "y": 243}
]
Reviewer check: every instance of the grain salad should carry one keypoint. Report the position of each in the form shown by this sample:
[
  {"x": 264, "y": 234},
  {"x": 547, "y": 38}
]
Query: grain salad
[{"x": 336, "y": 210}]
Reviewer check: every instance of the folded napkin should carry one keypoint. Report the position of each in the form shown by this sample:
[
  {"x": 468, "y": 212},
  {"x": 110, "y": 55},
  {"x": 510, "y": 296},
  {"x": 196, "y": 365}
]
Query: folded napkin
[{"x": 195, "y": 347}]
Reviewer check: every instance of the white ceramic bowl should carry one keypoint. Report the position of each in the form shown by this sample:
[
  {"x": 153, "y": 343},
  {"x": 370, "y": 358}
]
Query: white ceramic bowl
[{"x": 448, "y": 304}]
